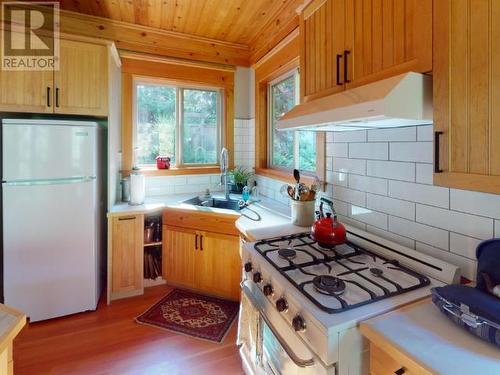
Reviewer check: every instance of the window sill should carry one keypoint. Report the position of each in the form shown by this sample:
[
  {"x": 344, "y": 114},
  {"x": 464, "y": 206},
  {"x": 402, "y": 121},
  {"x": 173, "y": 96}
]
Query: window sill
[
  {"x": 174, "y": 171},
  {"x": 284, "y": 176}
]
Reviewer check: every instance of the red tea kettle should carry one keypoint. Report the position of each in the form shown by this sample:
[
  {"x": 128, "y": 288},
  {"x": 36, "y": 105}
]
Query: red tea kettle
[{"x": 328, "y": 231}]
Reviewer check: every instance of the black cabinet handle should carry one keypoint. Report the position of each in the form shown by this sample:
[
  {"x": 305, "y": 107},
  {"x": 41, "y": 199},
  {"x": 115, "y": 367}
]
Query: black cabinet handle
[
  {"x": 196, "y": 242},
  {"x": 201, "y": 243},
  {"x": 57, "y": 97},
  {"x": 436, "y": 152},
  {"x": 339, "y": 83},
  {"x": 48, "y": 96},
  {"x": 346, "y": 75},
  {"x": 401, "y": 371}
]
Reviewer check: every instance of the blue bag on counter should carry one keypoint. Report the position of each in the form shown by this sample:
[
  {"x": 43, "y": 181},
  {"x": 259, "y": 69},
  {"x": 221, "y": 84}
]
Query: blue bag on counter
[{"x": 476, "y": 309}]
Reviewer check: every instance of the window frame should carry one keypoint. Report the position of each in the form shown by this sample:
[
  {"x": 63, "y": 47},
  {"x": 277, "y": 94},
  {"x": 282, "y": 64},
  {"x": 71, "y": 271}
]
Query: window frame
[
  {"x": 295, "y": 72},
  {"x": 179, "y": 87}
]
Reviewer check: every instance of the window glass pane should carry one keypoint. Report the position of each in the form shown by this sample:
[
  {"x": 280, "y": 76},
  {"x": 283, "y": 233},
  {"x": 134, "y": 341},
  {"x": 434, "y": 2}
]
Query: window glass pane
[
  {"x": 307, "y": 150},
  {"x": 155, "y": 123},
  {"x": 282, "y": 100},
  {"x": 199, "y": 127}
]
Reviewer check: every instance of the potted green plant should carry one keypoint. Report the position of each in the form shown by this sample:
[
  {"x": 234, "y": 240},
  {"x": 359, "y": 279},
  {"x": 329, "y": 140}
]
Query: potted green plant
[{"x": 239, "y": 179}]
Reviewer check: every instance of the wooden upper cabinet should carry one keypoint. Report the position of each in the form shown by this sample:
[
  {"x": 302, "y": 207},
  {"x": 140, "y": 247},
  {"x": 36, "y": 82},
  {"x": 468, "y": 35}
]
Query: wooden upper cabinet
[
  {"x": 25, "y": 91},
  {"x": 466, "y": 94},
  {"x": 322, "y": 28},
  {"x": 349, "y": 43},
  {"x": 387, "y": 38},
  {"x": 81, "y": 82},
  {"x": 127, "y": 256}
]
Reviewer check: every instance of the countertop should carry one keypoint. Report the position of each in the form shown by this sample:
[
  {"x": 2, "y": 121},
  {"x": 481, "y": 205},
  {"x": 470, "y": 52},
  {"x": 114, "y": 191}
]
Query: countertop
[
  {"x": 430, "y": 343},
  {"x": 11, "y": 322},
  {"x": 265, "y": 218}
]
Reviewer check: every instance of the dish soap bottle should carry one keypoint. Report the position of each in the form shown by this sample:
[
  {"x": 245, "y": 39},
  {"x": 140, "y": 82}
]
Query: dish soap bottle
[{"x": 245, "y": 194}]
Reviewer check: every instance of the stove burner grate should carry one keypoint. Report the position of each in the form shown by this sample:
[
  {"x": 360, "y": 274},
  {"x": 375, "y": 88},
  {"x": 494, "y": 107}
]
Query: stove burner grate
[
  {"x": 329, "y": 285},
  {"x": 287, "y": 253}
]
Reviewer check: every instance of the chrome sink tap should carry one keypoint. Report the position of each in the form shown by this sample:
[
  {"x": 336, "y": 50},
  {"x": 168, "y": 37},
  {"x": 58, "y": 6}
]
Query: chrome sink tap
[{"x": 224, "y": 163}]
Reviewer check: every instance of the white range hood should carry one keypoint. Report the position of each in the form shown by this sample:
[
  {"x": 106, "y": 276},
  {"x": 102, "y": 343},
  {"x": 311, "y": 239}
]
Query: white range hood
[{"x": 403, "y": 100}]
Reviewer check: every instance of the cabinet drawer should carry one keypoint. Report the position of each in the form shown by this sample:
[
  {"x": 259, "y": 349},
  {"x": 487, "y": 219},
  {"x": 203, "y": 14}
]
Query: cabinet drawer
[
  {"x": 382, "y": 363},
  {"x": 206, "y": 221}
]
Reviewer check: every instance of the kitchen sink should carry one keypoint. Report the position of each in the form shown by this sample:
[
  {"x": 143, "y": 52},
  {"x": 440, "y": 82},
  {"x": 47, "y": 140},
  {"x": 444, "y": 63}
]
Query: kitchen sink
[{"x": 231, "y": 204}]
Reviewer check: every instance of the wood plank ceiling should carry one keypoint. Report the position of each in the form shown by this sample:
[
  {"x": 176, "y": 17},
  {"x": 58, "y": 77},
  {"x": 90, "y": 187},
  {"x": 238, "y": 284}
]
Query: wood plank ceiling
[{"x": 236, "y": 21}]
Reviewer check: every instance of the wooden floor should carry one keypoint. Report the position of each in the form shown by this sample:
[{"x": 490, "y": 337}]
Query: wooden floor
[{"x": 109, "y": 341}]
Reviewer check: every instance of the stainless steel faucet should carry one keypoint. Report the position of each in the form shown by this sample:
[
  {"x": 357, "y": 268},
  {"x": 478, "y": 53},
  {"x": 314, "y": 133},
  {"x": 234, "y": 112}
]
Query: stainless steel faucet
[{"x": 224, "y": 163}]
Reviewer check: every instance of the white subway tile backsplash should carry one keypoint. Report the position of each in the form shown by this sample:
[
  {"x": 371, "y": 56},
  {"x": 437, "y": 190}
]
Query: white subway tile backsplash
[
  {"x": 336, "y": 178},
  {"x": 463, "y": 245},
  {"x": 198, "y": 180},
  {"x": 420, "y": 232},
  {"x": 474, "y": 226},
  {"x": 369, "y": 184},
  {"x": 350, "y": 196},
  {"x": 424, "y": 133},
  {"x": 426, "y": 194},
  {"x": 393, "y": 135},
  {"x": 408, "y": 242},
  {"x": 391, "y": 206},
  {"x": 374, "y": 218},
  {"x": 411, "y": 151},
  {"x": 351, "y": 136},
  {"x": 391, "y": 170},
  {"x": 345, "y": 165},
  {"x": 374, "y": 150},
  {"x": 341, "y": 208},
  {"x": 497, "y": 228},
  {"x": 425, "y": 173},
  {"x": 329, "y": 137},
  {"x": 352, "y": 222},
  {"x": 336, "y": 149},
  {"x": 329, "y": 163},
  {"x": 468, "y": 267},
  {"x": 475, "y": 203}
]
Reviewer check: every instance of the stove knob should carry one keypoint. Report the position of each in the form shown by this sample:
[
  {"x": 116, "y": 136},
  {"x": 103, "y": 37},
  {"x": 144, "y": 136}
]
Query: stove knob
[
  {"x": 282, "y": 305},
  {"x": 298, "y": 323},
  {"x": 248, "y": 266},
  {"x": 268, "y": 290},
  {"x": 257, "y": 277}
]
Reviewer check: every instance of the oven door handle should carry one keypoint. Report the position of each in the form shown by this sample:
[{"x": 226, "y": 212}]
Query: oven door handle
[{"x": 298, "y": 361}]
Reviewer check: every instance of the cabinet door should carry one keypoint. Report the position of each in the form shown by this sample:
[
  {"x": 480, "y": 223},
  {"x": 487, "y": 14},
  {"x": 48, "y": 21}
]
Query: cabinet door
[
  {"x": 81, "y": 81},
  {"x": 179, "y": 251},
  {"x": 127, "y": 256},
  {"x": 466, "y": 94},
  {"x": 218, "y": 266},
  {"x": 322, "y": 29},
  {"x": 386, "y": 38},
  {"x": 26, "y": 91}
]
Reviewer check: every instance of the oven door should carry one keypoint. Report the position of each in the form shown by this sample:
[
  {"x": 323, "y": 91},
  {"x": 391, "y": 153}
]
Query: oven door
[{"x": 278, "y": 349}]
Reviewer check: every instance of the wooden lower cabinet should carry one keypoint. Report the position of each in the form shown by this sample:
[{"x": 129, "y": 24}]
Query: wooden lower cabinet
[
  {"x": 205, "y": 261},
  {"x": 127, "y": 256},
  {"x": 382, "y": 363}
]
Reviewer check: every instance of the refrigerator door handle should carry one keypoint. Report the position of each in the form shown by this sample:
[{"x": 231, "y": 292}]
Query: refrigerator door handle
[{"x": 54, "y": 181}]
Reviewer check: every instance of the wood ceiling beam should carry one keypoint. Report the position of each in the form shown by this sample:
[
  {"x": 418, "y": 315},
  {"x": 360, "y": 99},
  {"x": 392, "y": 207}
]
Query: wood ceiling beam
[{"x": 137, "y": 38}]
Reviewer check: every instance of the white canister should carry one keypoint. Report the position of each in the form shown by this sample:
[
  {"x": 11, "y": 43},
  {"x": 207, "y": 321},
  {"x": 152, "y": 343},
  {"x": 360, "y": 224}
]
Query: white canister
[
  {"x": 137, "y": 188},
  {"x": 303, "y": 212}
]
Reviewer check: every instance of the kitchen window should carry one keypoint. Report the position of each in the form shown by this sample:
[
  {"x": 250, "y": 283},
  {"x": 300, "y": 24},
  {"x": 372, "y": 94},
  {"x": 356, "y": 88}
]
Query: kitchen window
[
  {"x": 288, "y": 149},
  {"x": 181, "y": 122}
]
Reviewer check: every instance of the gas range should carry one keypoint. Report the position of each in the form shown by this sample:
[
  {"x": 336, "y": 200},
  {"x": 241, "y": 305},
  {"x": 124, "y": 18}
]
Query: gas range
[
  {"x": 316, "y": 296},
  {"x": 340, "y": 278}
]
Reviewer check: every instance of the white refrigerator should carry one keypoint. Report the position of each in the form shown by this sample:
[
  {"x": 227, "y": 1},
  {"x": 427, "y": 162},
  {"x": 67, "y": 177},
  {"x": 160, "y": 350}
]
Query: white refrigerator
[{"x": 51, "y": 216}]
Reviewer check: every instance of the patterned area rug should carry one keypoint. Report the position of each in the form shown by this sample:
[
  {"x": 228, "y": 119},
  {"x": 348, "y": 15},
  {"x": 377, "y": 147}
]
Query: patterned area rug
[{"x": 192, "y": 314}]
